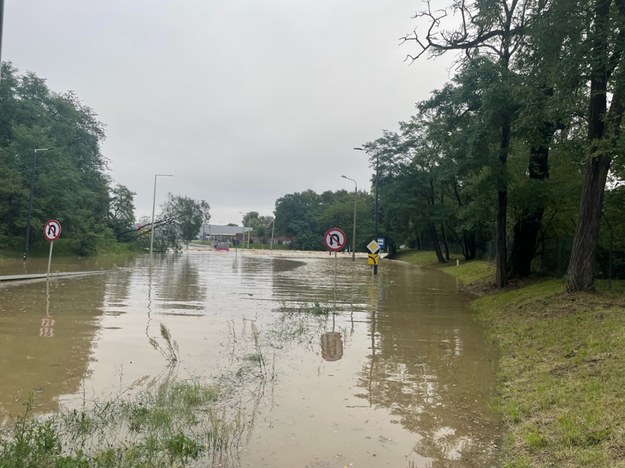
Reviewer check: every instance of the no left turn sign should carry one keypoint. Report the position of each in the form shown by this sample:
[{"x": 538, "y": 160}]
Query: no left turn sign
[
  {"x": 335, "y": 239},
  {"x": 52, "y": 230}
]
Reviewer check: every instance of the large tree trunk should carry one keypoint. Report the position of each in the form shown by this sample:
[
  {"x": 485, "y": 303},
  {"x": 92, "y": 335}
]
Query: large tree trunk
[
  {"x": 437, "y": 246},
  {"x": 501, "y": 277},
  {"x": 526, "y": 232},
  {"x": 580, "y": 274},
  {"x": 501, "y": 260},
  {"x": 470, "y": 247},
  {"x": 527, "y": 227},
  {"x": 445, "y": 243},
  {"x": 468, "y": 237}
]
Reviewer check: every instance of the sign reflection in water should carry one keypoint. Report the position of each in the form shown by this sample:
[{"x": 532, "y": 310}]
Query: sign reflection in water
[{"x": 331, "y": 346}]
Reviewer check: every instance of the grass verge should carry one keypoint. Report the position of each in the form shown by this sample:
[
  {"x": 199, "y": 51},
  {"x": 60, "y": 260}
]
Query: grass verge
[
  {"x": 561, "y": 371},
  {"x": 473, "y": 273}
]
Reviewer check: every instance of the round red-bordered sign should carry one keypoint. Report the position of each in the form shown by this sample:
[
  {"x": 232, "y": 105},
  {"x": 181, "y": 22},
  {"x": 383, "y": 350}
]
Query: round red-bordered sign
[
  {"x": 335, "y": 239},
  {"x": 52, "y": 230}
]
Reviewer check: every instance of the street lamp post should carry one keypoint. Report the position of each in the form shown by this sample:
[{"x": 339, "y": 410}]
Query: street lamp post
[
  {"x": 153, "y": 208},
  {"x": 1, "y": 26},
  {"x": 30, "y": 202},
  {"x": 375, "y": 209},
  {"x": 354, "y": 234},
  {"x": 244, "y": 230}
]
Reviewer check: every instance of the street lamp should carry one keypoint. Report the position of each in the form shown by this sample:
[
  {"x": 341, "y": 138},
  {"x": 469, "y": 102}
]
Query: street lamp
[
  {"x": 273, "y": 225},
  {"x": 375, "y": 209},
  {"x": 1, "y": 23},
  {"x": 355, "y": 199},
  {"x": 153, "y": 208},
  {"x": 249, "y": 229},
  {"x": 30, "y": 201},
  {"x": 244, "y": 229}
]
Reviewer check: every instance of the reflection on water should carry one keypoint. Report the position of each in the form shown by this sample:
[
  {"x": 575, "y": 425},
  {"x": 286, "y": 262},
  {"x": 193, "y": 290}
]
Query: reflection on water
[
  {"x": 428, "y": 365},
  {"x": 331, "y": 346},
  {"x": 46, "y": 339},
  {"x": 370, "y": 371}
]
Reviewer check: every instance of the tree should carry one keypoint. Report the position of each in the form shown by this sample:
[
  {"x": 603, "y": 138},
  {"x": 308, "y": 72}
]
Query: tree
[
  {"x": 435, "y": 174},
  {"x": 603, "y": 70},
  {"x": 121, "y": 211},
  {"x": 184, "y": 218},
  {"x": 453, "y": 120},
  {"x": 70, "y": 182},
  {"x": 305, "y": 216},
  {"x": 297, "y": 217},
  {"x": 250, "y": 219},
  {"x": 494, "y": 30},
  {"x": 257, "y": 224},
  {"x": 262, "y": 227}
]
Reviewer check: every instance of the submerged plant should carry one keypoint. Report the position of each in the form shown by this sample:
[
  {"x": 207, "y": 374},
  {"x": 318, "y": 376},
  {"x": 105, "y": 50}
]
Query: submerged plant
[
  {"x": 314, "y": 308},
  {"x": 171, "y": 351},
  {"x": 30, "y": 443},
  {"x": 166, "y": 425}
]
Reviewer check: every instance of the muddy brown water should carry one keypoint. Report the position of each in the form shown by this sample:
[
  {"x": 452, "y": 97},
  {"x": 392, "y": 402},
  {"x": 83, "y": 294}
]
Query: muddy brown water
[{"x": 397, "y": 374}]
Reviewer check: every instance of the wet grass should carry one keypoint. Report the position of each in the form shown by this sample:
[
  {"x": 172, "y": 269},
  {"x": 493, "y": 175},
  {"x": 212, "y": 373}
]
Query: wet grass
[
  {"x": 171, "y": 424},
  {"x": 561, "y": 374},
  {"x": 561, "y": 370},
  {"x": 300, "y": 322},
  {"x": 314, "y": 309},
  {"x": 469, "y": 272},
  {"x": 307, "y": 308}
]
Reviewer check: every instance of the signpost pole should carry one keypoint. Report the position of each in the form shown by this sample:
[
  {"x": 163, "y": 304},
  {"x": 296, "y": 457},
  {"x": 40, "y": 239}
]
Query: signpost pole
[
  {"x": 50, "y": 259},
  {"x": 335, "y": 269}
]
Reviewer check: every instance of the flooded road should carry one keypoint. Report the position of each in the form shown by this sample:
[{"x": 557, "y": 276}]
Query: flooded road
[{"x": 368, "y": 372}]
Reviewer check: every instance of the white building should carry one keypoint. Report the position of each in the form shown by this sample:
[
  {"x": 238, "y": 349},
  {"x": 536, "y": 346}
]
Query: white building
[{"x": 219, "y": 233}]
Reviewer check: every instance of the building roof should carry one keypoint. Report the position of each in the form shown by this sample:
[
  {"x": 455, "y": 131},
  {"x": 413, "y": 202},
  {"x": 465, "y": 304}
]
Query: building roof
[{"x": 219, "y": 230}]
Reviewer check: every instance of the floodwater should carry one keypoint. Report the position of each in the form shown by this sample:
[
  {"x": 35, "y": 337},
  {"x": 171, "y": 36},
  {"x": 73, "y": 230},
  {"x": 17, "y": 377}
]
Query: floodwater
[{"x": 396, "y": 374}]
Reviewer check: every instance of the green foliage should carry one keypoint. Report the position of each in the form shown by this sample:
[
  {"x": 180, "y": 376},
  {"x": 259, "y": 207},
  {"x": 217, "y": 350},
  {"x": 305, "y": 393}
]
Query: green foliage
[
  {"x": 33, "y": 443},
  {"x": 611, "y": 253},
  {"x": 121, "y": 217},
  {"x": 439, "y": 174},
  {"x": 526, "y": 70},
  {"x": 305, "y": 216},
  {"x": 297, "y": 217},
  {"x": 181, "y": 447},
  {"x": 170, "y": 424},
  {"x": 69, "y": 181},
  {"x": 182, "y": 219}
]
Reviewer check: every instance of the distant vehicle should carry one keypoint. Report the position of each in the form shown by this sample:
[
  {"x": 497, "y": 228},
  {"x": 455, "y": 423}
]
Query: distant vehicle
[{"x": 222, "y": 246}]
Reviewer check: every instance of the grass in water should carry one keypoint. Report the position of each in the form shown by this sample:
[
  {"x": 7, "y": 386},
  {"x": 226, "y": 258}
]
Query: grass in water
[
  {"x": 170, "y": 425},
  {"x": 170, "y": 352}
]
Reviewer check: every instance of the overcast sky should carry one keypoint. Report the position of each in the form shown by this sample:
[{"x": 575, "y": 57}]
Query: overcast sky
[{"x": 243, "y": 101}]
